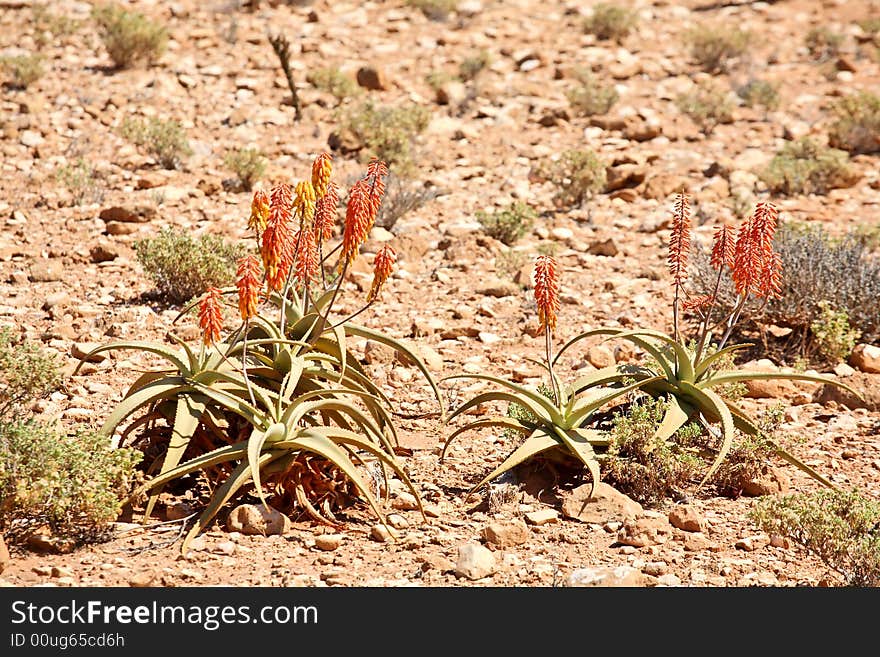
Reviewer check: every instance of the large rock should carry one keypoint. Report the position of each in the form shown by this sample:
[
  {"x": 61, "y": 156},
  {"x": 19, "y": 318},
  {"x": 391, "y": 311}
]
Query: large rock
[
  {"x": 606, "y": 577},
  {"x": 506, "y": 534},
  {"x": 138, "y": 214},
  {"x": 770, "y": 389},
  {"x": 5, "y": 559},
  {"x": 687, "y": 518},
  {"x": 643, "y": 532},
  {"x": 770, "y": 481},
  {"x": 372, "y": 78},
  {"x": 867, "y": 385},
  {"x": 474, "y": 562},
  {"x": 256, "y": 519},
  {"x": 866, "y": 358},
  {"x": 603, "y": 505}
]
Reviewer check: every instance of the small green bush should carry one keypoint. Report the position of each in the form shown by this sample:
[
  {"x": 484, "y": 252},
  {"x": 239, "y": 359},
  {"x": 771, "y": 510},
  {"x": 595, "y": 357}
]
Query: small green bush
[
  {"x": 471, "y": 67},
  {"x": 22, "y": 71},
  {"x": 590, "y": 96},
  {"x": 183, "y": 267},
  {"x": 164, "y": 140},
  {"x": 576, "y": 174},
  {"x": 436, "y": 10},
  {"x": 74, "y": 484},
  {"x": 402, "y": 197},
  {"x": 333, "y": 81},
  {"x": 645, "y": 468},
  {"x": 806, "y": 167},
  {"x": 840, "y": 527},
  {"x": 713, "y": 46},
  {"x": 129, "y": 37},
  {"x": 27, "y": 373},
  {"x": 80, "y": 180},
  {"x": 759, "y": 92},
  {"x": 708, "y": 105},
  {"x": 388, "y": 132},
  {"x": 48, "y": 25},
  {"x": 833, "y": 335},
  {"x": 610, "y": 21},
  {"x": 823, "y": 43},
  {"x": 509, "y": 224},
  {"x": 857, "y": 126},
  {"x": 248, "y": 165}
]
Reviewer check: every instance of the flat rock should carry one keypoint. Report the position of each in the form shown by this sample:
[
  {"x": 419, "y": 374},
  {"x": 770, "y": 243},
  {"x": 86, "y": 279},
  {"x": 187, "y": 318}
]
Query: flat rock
[
  {"x": 770, "y": 481},
  {"x": 606, "y": 503},
  {"x": 475, "y": 562},
  {"x": 103, "y": 252},
  {"x": 542, "y": 517},
  {"x": 867, "y": 385},
  {"x": 687, "y": 518},
  {"x": 506, "y": 534},
  {"x": 752, "y": 543},
  {"x": 81, "y": 351},
  {"x": 866, "y": 358},
  {"x": 600, "y": 356},
  {"x": 256, "y": 519},
  {"x": 328, "y": 542},
  {"x": 499, "y": 289},
  {"x": 137, "y": 214},
  {"x": 643, "y": 532},
  {"x": 606, "y": 577},
  {"x": 46, "y": 271},
  {"x": 142, "y": 580},
  {"x": 607, "y": 247}
]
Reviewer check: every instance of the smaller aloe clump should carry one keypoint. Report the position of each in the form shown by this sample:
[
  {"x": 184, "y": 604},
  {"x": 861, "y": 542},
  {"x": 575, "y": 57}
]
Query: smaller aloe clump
[{"x": 279, "y": 404}]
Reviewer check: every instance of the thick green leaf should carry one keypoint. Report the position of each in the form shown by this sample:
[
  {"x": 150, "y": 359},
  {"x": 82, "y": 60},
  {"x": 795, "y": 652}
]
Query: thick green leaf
[
  {"x": 800, "y": 465},
  {"x": 235, "y": 404},
  {"x": 150, "y": 347},
  {"x": 676, "y": 416},
  {"x": 234, "y": 452},
  {"x": 746, "y": 375},
  {"x": 707, "y": 399},
  {"x": 683, "y": 357},
  {"x": 501, "y": 395},
  {"x": 704, "y": 365},
  {"x": 496, "y": 421},
  {"x": 153, "y": 391},
  {"x": 539, "y": 441},
  {"x": 550, "y": 409},
  {"x": 584, "y": 408},
  {"x": 275, "y": 433},
  {"x": 578, "y": 443},
  {"x": 606, "y": 375},
  {"x": 632, "y": 336}
]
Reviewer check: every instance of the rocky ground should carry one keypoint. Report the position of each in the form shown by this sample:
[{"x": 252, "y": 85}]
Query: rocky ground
[{"x": 69, "y": 277}]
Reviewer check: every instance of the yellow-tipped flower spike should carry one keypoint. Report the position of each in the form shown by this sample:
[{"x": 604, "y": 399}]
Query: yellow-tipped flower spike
[
  {"x": 248, "y": 282},
  {"x": 259, "y": 212},
  {"x": 211, "y": 316},
  {"x": 322, "y": 168},
  {"x": 383, "y": 264},
  {"x": 305, "y": 202}
]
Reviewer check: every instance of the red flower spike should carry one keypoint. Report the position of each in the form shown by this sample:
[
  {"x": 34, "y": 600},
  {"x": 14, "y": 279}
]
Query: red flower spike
[
  {"x": 547, "y": 291},
  {"x": 325, "y": 213},
  {"x": 248, "y": 283},
  {"x": 357, "y": 221},
  {"x": 211, "y": 316},
  {"x": 723, "y": 248},
  {"x": 305, "y": 261},
  {"x": 680, "y": 240},
  {"x": 383, "y": 265}
]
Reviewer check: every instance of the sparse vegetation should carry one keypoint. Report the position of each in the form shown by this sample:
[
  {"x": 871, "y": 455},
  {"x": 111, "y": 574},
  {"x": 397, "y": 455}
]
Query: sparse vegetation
[
  {"x": 165, "y": 140},
  {"x": 590, "y": 96},
  {"x": 707, "y": 104},
  {"x": 576, "y": 175},
  {"x": 27, "y": 373},
  {"x": 129, "y": 37},
  {"x": 713, "y": 46},
  {"x": 333, "y": 81},
  {"x": 840, "y": 527},
  {"x": 471, "y": 67},
  {"x": 387, "y": 132},
  {"x": 834, "y": 337},
  {"x": 48, "y": 24},
  {"x": 807, "y": 167},
  {"x": 823, "y": 43},
  {"x": 402, "y": 196},
  {"x": 759, "y": 93},
  {"x": 857, "y": 128},
  {"x": 510, "y": 224},
  {"x": 183, "y": 266},
  {"x": 21, "y": 71},
  {"x": 610, "y": 21},
  {"x": 248, "y": 165},
  {"x": 436, "y": 10},
  {"x": 80, "y": 179}
]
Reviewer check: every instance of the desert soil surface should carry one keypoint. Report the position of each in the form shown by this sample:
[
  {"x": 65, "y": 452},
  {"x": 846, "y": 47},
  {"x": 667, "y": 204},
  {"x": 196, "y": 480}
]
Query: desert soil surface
[{"x": 70, "y": 278}]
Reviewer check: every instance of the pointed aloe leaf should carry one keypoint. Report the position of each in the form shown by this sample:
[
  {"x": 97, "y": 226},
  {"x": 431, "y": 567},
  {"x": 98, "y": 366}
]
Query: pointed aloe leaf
[
  {"x": 715, "y": 405},
  {"x": 539, "y": 441},
  {"x": 741, "y": 420},
  {"x": 290, "y": 382},
  {"x": 501, "y": 395},
  {"x": 608, "y": 375},
  {"x": 704, "y": 365},
  {"x": 377, "y": 336},
  {"x": 563, "y": 389},
  {"x": 150, "y": 347},
  {"x": 549, "y": 407},
  {"x": 361, "y": 420},
  {"x": 745, "y": 375},
  {"x": 209, "y": 377},
  {"x": 800, "y": 465},
  {"x": 258, "y": 439},
  {"x": 683, "y": 357},
  {"x": 186, "y": 420},
  {"x": 584, "y": 336},
  {"x": 233, "y": 403},
  {"x": 496, "y": 421},
  {"x": 153, "y": 391},
  {"x": 586, "y": 407},
  {"x": 223, "y": 454},
  {"x": 677, "y": 414},
  {"x": 578, "y": 443}
]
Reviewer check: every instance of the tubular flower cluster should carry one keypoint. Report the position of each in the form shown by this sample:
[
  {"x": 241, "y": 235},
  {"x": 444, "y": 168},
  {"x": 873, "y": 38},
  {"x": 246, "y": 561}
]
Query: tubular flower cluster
[
  {"x": 358, "y": 222},
  {"x": 322, "y": 168},
  {"x": 305, "y": 260},
  {"x": 259, "y": 212},
  {"x": 383, "y": 265},
  {"x": 547, "y": 291},
  {"x": 723, "y": 249},
  {"x": 211, "y": 316},
  {"x": 325, "y": 213},
  {"x": 305, "y": 202},
  {"x": 277, "y": 244},
  {"x": 756, "y": 268},
  {"x": 376, "y": 172},
  {"x": 247, "y": 280},
  {"x": 680, "y": 240},
  {"x": 697, "y": 303}
]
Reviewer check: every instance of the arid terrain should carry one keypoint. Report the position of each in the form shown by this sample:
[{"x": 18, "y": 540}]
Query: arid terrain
[{"x": 70, "y": 278}]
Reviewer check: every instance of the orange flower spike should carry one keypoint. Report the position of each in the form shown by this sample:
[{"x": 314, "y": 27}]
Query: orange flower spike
[
  {"x": 357, "y": 221},
  {"x": 771, "y": 279},
  {"x": 248, "y": 282},
  {"x": 322, "y": 168},
  {"x": 547, "y": 290},
  {"x": 723, "y": 248},
  {"x": 680, "y": 240},
  {"x": 754, "y": 251},
  {"x": 305, "y": 202},
  {"x": 259, "y": 212},
  {"x": 305, "y": 260},
  {"x": 325, "y": 213},
  {"x": 211, "y": 316},
  {"x": 276, "y": 246},
  {"x": 697, "y": 303},
  {"x": 383, "y": 265},
  {"x": 376, "y": 172}
]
